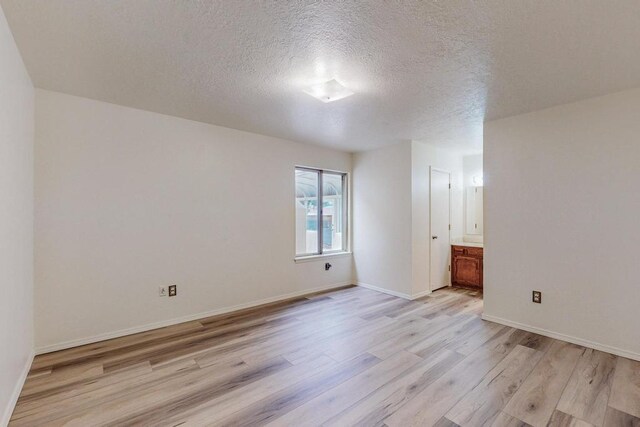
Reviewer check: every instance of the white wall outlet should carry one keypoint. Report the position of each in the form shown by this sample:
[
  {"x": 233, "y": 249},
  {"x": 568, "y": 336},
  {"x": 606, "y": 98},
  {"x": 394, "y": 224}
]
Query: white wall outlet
[
  {"x": 162, "y": 291},
  {"x": 537, "y": 297}
]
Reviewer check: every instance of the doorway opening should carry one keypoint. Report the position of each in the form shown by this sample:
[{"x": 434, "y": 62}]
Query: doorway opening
[{"x": 456, "y": 222}]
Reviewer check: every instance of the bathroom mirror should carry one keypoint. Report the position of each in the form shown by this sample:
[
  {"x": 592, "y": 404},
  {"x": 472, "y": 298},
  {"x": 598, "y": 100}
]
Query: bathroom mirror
[{"x": 473, "y": 211}]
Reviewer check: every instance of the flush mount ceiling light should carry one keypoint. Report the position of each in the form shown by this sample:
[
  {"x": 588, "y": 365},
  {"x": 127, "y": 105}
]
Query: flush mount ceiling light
[{"x": 328, "y": 91}]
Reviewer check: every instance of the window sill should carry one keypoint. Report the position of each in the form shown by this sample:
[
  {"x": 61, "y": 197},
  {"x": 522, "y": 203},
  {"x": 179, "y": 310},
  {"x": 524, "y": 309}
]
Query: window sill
[{"x": 321, "y": 257}]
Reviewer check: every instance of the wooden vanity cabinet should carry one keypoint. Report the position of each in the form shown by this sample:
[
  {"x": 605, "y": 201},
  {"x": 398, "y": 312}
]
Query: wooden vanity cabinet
[{"x": 466, "y": 266}]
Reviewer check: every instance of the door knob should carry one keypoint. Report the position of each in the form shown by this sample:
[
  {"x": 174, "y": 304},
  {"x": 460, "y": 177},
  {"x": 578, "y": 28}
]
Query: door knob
[{"x": 434, "y": 237}]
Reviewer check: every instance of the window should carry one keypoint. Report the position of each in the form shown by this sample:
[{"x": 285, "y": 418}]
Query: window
[{"x": 321, "y": 212}]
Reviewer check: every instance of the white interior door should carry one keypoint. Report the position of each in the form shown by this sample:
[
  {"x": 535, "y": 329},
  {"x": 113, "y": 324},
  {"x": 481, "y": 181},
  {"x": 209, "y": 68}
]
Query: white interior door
[{"x": 440, "y": 240}]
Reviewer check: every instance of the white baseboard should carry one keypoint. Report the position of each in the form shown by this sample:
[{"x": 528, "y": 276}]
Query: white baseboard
[
  {"x": 384, "y": 291},
  {"x": 563, "y": 337},
  {"x": 8, "y": 411},
  {"x": 394, "y": 293},
  {"x": 420, "y": 294},
  {"x": 191, "y": 317}
]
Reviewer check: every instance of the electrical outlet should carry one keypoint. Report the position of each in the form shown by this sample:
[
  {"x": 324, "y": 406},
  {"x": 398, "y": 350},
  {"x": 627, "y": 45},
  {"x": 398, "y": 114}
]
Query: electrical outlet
[
  {"x": 537, "y": 297},
  {"x": 162, "y": 291},
  {"x": 173, "y": 290}
]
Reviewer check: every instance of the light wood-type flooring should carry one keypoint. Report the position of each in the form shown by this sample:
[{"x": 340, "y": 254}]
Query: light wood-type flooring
[{"x": 346, "y": 357}]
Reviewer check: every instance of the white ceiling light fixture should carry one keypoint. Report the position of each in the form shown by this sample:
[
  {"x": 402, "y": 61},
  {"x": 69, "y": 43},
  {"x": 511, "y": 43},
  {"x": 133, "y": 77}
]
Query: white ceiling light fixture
[{"x": 328, "y": 91}]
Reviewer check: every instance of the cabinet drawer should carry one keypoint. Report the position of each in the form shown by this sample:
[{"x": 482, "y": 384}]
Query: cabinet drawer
[
  {"x": 467, "y": 251},
  {"x": 458, "y": 250},
  {"x": 474, "y": 252}
]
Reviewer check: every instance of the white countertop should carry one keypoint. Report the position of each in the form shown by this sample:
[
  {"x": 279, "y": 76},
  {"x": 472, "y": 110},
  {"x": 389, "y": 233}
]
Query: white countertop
[{"x": 469, "y": 244}]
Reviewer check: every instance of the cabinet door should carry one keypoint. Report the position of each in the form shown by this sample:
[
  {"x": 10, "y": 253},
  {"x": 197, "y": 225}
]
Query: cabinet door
[{"x": 466, "y": 271}]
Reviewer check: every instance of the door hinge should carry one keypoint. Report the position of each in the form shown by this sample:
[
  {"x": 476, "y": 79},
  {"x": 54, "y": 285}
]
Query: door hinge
[
  {"x": 449, "y": 186},
  {"x": 449, "y": 226},
  {"x": 449, "y": 267}
]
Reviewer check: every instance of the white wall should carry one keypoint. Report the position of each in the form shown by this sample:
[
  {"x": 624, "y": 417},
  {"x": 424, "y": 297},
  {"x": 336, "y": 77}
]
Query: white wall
[
  {"x": 16, "y": 221},
  {"x": 382, "y": 218},
  {"x": 472, "y": 166},
  {"x": 425, "y": 156},
  {"x": 127, "y": 200},
  {"x": 561, "y": 216}
]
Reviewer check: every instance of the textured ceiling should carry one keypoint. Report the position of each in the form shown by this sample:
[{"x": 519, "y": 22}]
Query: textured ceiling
[{"x": 431, "y": 71}]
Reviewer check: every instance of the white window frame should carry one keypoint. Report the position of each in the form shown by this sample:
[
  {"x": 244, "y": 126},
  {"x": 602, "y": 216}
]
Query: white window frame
[{"x": 320, "y": 217}]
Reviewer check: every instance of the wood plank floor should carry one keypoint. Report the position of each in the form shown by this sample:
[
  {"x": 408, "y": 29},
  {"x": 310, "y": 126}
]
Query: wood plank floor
[{"x": 340, "y": 358}]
